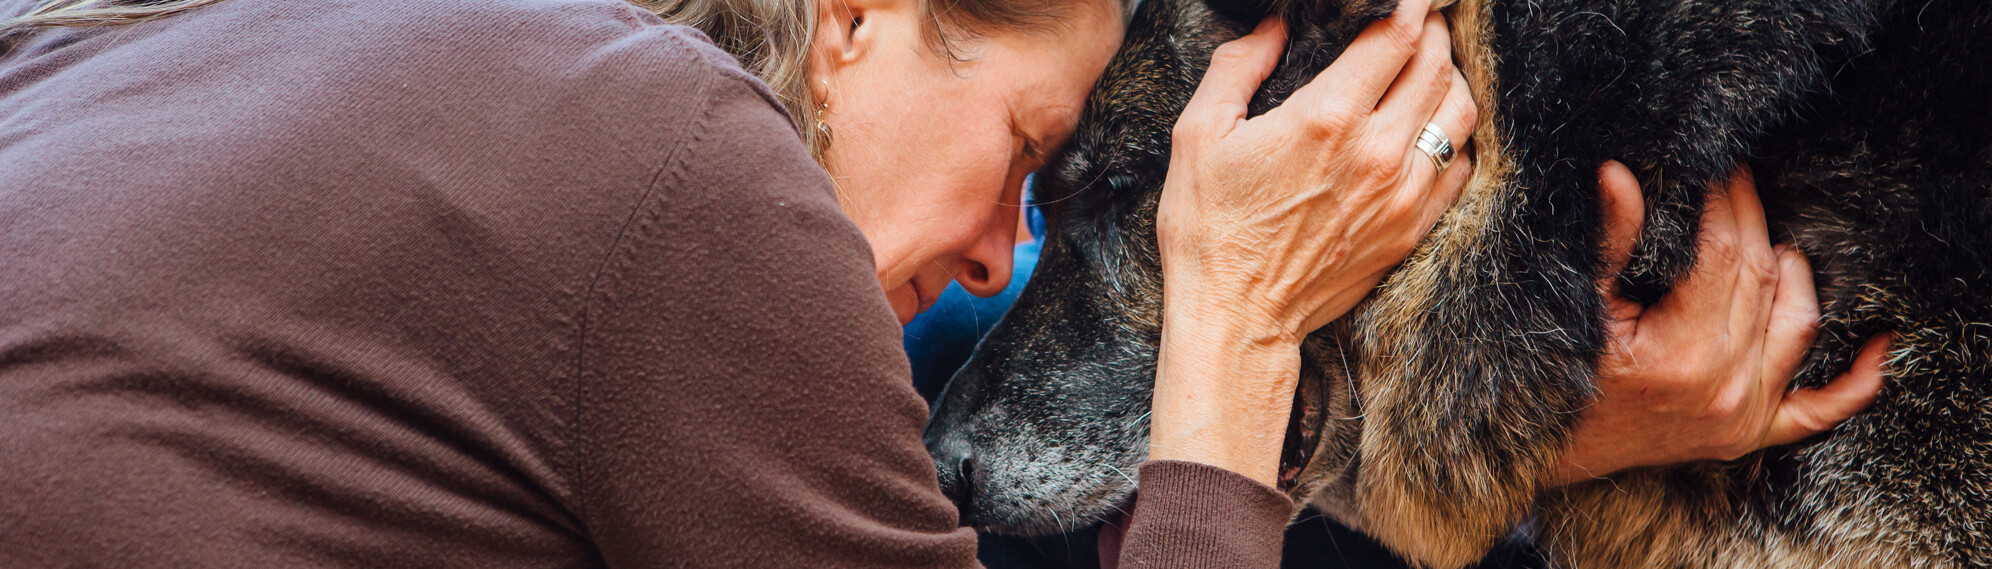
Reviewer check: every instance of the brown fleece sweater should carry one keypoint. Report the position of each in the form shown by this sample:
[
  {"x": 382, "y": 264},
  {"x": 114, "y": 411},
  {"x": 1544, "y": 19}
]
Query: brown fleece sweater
[{"x": 437, "y": 283}]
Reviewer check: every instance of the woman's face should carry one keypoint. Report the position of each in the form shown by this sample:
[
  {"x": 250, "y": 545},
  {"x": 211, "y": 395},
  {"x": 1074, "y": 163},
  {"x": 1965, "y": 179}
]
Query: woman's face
[{"x": 929, "y": 151}]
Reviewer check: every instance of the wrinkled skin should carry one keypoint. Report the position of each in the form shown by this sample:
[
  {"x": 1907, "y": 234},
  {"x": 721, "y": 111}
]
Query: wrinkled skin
[
  {"x": 1067, "y": 412},
  {"x": 1434, "y": 410}
]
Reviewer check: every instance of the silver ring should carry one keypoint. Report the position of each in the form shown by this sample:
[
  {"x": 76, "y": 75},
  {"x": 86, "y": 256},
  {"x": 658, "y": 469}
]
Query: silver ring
[{"x": 1433, "y": 142}]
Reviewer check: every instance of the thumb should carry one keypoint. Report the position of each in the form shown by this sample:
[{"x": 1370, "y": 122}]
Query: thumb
[
  {"x": 1808, "y": 412},
  {"x": 1236, "y": 70}
]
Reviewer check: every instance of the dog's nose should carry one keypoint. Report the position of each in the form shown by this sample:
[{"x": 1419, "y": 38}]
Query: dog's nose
[{"x": 956, "y": 467}]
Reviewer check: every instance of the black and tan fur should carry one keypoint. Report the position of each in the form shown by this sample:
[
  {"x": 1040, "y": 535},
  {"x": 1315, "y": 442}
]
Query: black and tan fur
[{"x": 1431, "y": 411}]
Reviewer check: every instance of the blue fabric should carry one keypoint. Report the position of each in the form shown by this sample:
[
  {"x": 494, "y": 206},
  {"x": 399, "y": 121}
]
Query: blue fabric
[{"x": 939, "y": 340}]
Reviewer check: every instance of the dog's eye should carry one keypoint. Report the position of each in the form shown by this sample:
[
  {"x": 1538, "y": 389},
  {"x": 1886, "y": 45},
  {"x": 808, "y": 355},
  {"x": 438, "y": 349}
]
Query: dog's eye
[{"x": 1120, "y": 183}]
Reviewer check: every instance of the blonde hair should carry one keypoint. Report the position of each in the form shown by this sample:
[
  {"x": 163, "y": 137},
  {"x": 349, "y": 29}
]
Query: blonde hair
[{"x": 770, "y": 38}]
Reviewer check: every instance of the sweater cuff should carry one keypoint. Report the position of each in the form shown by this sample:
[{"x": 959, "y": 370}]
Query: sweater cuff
[{"x": 1195, "y": 515}]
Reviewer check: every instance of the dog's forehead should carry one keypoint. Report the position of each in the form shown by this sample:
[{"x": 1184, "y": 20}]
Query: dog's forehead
[{"x": 1122, "y": 139}]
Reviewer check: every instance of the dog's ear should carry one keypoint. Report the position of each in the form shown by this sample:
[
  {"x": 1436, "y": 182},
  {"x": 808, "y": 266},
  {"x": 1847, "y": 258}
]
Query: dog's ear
[
  {"x": 1309, "y": 12},
  {"x": 1249, "y": 12}
]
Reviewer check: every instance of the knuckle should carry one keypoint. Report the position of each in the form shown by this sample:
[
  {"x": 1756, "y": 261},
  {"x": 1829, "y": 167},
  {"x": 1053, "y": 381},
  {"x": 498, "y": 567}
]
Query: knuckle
[
  {"x": 1438, "y": 82},
  {"x": 1402, "y": 34},
  {"x": 1761, "y": 262},
  {"x": 1230, "y": 53},
  {"x": 1721, "y": 251},
  {"x": 1333, "y": 121},
  {"x": 1185, "y": 132},
  {"x": 1724, "y": 408},
  {"x": 1438, "y": 71},
  {"x": 1469, "y": 113},
  {"x": 1380, "y": 166},
  {"x": 1766, "y": 274},
  {"x": 1194, "y": 127}
]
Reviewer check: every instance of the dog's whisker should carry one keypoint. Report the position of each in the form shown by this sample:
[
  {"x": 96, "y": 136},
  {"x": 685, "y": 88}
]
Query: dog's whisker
[{"x": 1123, "y": 475}]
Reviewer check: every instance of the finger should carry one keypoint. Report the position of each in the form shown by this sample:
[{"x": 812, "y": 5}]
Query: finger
[
  {"x": 1807, "y": 412},
  {"x": 1703, "y": 301},
  {"x": 1794, "y": 320},
  {"x": 1455, "y": 117},
  {"x": 1444, "y": 192},
  {"x": 1625, "y": 215},
  {"x": 1757, "y": 261},
  {"x": 1755, "y": 256},
  {"x": 1358, "y": 78},
  {"x": 1749, "y": 212},
  {"x": 1415, "y": 96},
  {"x": 1236, "y": 70}
]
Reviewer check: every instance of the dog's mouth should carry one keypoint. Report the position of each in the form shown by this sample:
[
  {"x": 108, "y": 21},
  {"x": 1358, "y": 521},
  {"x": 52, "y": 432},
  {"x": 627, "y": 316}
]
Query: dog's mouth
[{"x": 1303, "y": 436}]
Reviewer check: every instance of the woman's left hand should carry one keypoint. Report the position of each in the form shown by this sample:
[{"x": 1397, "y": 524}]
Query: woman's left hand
[
  {"x": 1270, "y": 227},
  {"x": 1703, "y": 373}
]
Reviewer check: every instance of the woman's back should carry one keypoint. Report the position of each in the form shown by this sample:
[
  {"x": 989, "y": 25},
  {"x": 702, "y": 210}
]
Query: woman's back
[{"x": 427, "y": 283}]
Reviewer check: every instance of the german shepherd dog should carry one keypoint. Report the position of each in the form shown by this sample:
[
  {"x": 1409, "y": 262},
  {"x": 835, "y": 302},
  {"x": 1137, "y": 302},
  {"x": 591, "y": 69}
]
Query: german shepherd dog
[{"x": 1427, "y": 417}]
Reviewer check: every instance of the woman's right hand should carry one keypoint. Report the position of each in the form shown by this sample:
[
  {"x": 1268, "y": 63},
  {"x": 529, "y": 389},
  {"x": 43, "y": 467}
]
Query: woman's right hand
[{"x": 1273, "y": 226}]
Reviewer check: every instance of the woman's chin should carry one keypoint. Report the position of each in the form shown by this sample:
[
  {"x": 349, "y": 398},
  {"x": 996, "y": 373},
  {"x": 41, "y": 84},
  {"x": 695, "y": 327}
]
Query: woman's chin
[{"x": 905, "y": 302}]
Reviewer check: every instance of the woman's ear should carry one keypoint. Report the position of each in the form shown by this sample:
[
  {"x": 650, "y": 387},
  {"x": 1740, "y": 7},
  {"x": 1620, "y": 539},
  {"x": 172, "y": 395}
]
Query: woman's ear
[{"x": 841, "y": 38}]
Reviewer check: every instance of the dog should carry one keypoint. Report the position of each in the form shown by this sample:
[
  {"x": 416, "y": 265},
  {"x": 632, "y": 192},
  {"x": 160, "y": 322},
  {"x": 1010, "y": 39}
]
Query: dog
[{"x": 1427, "y": 417}]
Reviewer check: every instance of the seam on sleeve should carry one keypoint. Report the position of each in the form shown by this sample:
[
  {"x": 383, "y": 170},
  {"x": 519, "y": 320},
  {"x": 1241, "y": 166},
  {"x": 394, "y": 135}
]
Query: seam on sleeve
[
  {"x": 726, "y": 65},
  {"x": 672, "y": 165}
]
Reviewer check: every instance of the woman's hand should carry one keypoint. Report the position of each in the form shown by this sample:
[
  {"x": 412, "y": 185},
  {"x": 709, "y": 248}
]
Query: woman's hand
[
  {"x": 1272, "y": 227},
  {"x": 1703, "y": 373}
]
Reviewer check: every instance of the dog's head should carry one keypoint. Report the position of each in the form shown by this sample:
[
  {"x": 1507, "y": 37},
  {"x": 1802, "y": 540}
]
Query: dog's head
[
  {"x": 1043, "y": 429},
  {"x": 1473, "y": 359}
]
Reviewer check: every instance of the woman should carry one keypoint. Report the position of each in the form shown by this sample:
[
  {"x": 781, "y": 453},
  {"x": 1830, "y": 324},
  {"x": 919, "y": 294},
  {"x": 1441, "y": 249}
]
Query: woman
[{"x": 551, "y": 283}]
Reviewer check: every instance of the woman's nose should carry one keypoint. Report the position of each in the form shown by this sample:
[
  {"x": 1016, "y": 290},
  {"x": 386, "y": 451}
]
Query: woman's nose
[{"x": 985, "y": 268}]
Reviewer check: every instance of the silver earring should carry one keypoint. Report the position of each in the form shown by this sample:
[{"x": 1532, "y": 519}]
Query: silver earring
[{"x": 822, "y": 126}]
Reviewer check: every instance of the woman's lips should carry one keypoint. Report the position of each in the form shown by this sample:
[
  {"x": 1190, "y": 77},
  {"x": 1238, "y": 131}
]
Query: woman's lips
[
  {"x": 919, "y": 294},
  {"x": 910, "y": 300},
  {"x": 926, "y": 301}
]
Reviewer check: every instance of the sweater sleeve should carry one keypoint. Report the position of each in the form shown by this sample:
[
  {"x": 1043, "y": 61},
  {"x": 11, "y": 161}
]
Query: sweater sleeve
[
  {"x": 745, "y": 400},
  {"x": 1196, "y": 515}
]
